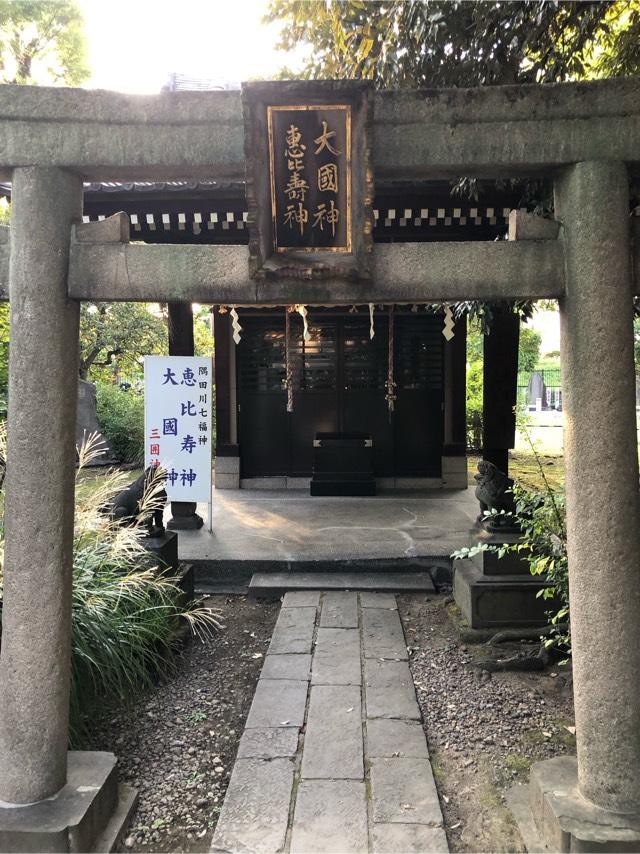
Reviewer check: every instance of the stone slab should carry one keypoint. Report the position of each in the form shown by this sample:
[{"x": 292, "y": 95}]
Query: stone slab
[
  {"x": 287, "y": 666},
  {"x": 111, "y": 837},
  {"x": 278, "y": 703},
  {"x": 403, "y": 791},
  {"x": 336, "y": 660},
  {"x": 333, "y": 737},
  {"x": 276, "y": 583},
  {"x": 339, "y": 611},
  {"x": 408, "y": 839},
  {"x": 382, "y": 634},
  {"x": 72, "y": 820},
  {"x": 293, "y": 632},
  {"x": 268, "y": 743},
  {"x": 389, "y": 690},
  {"x": 255, "y": 813},
  {"x": 378, "y": 600},
  {"x": 396, "y": 738},
  {"x": 330, "y": 816},
  {"x": 517, "y": 800},
  {"x": 301, "y": 599}
]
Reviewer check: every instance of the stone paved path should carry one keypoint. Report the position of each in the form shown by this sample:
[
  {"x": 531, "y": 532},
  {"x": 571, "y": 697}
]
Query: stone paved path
[{"x": 333, "y": 757}]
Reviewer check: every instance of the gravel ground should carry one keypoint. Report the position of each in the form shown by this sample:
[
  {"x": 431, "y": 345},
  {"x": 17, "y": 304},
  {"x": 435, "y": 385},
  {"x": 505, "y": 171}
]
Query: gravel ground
[
  {"x": 177, "y": 744},
  {"x": 484, "y": 730}
]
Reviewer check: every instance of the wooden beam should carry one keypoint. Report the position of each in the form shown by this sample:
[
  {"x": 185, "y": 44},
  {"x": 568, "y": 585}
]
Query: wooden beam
[{"x": 404, "y": 272}]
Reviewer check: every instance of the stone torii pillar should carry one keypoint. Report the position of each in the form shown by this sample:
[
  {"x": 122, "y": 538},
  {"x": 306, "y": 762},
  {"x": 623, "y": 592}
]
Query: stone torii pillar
[
  {"x": 80, "y": 787},
  {"x": 594, "y": 804},
  {"x": 34, "y": 665}
]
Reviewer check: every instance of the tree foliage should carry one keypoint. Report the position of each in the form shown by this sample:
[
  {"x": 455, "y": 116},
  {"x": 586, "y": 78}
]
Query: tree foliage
[
  {"x": 528, "y": 349},
  {"x": 116, "y": 335},
  {"x": 43, "y": 42},
  {"x": 433, "y": 43}
]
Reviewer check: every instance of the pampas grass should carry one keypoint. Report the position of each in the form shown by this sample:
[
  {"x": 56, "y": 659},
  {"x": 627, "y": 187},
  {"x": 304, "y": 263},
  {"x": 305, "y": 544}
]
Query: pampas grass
[{"x": 126, "y": 614}]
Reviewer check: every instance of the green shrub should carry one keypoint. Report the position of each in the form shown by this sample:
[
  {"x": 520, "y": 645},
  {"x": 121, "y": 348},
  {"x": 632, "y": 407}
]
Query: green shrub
[
  {"x": 474, "y": 406},
  {"x": 121, "y": 417}
]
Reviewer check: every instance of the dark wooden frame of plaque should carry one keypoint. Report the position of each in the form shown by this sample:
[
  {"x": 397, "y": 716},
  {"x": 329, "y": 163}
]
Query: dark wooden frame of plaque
[{"x": 265, "y": 261}]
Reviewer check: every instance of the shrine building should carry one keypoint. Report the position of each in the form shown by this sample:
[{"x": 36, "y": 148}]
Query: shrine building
[{"x": 341, "y": 358}]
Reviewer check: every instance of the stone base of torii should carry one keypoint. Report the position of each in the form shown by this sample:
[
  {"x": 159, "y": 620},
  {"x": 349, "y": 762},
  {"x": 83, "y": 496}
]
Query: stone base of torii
[{"x": 586, "y": 135}]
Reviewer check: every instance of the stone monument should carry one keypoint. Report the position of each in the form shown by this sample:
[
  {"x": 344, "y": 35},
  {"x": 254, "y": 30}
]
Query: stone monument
[{"x": 87, "y": 423}]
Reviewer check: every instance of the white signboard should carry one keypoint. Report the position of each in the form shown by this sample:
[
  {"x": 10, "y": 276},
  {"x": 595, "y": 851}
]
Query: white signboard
[{"x": 177, "y": 422}]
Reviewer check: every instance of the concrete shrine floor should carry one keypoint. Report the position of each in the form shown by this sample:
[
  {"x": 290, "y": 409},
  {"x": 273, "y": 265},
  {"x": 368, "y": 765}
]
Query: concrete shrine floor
[{"x": 290, "y": 525}]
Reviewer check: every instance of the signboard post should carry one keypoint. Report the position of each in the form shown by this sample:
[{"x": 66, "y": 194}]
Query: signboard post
[{"x": 177, "y": 424}]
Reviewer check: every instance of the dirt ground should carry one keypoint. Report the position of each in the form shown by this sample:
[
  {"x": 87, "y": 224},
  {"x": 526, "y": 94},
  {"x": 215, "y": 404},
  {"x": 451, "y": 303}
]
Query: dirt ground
[
  {"x": 484, "y": 730},
  {"x": 177, "y": 744}
]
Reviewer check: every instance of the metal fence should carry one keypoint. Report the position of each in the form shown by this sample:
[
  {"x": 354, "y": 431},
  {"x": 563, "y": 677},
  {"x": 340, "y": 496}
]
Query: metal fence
[{"x": 540, "y": 390}]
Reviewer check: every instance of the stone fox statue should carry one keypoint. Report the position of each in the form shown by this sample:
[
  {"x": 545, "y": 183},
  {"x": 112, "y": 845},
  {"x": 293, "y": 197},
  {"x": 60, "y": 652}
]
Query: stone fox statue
[
  {"x": 127, "y": 505},
  {"x": 492, "y": 494}
]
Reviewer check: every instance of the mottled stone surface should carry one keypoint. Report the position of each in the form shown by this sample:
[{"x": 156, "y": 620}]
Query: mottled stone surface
[
  {"x": 404, "y": 791},
  {"x": 301, "y": 599},
  {"x": 382, "y": 634},
  {"x": 339, "y": 610},
  {"x": 408, "y": 839},
  {"x": 43, "y": 364},
  {"x": 404, "y": 272},
  {"x": 390, "y": 738},
  {"x": 268, "y": 743},
  {"x": 287, "y": 666},
  {"x": 389, "y": 690},
  {"x": 336, "y": 660},
  {"x": 330, "y": 816},
  {"x": 603, "y": 511},
  {"x": 379, "y": 600},
  {"x": 507, "y": 130},
  {"x": 278, "y": 703},
  {"x": 255, "y": 813},
  {"x": 333, "y": 737},
  {"x": 293, "y": 632}
]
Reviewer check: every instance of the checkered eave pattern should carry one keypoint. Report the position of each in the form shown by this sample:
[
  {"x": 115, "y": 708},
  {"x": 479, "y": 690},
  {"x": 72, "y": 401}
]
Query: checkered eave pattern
[{"x": 385, "y": 218}]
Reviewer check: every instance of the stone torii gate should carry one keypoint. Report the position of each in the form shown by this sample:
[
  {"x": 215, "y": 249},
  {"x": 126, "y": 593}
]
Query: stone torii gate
[{"x": 586, "y": 135}]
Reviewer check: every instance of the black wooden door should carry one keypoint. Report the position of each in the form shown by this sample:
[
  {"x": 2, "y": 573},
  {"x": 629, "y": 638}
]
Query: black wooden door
[
  {"x": 419, "y": 395},
  {"x": 364, "y": 407},
  {"x": 339, "y": 377},
  {"x": 315, "y": 388},
  {"x": 262, "y": 399}
]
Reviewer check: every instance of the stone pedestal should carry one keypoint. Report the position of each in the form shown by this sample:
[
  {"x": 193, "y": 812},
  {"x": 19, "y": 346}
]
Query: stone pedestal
[
  {"x": 454, "y": 472},
  {"x": 227, "y": 471},
  {"x": 497, "y": 592},
  {"x": 164, "y": 549},
  {"x": 552, "y": 815},
  {"x": 89, "y": 812},
  {"x": 184, "y": 517}
]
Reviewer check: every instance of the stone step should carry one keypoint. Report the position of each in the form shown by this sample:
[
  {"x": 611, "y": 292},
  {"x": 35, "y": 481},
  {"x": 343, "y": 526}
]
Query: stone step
[{"x": 276, "y": 583}]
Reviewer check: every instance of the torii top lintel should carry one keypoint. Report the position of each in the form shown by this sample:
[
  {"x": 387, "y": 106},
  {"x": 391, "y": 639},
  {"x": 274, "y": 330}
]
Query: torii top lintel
[{"x": 416, "y": 134}]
